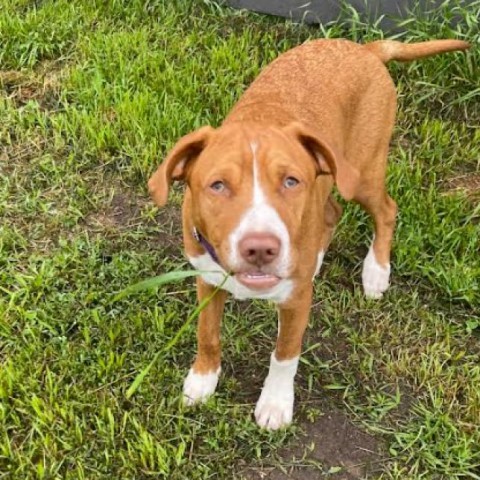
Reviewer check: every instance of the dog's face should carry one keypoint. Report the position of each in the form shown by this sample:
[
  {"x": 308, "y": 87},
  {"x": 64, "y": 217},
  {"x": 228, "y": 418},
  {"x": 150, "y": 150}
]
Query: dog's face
[{"x": 251, "y": 189}]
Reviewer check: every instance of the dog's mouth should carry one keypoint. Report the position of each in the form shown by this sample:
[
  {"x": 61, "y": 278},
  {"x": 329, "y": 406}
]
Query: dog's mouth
[{"x": 257, "y": 280}]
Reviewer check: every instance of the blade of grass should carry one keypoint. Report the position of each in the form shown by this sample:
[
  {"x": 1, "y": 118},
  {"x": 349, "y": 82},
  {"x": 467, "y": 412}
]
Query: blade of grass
[
  {"x": 158, "y": 281},
  {"x": 140, "y": 377}
]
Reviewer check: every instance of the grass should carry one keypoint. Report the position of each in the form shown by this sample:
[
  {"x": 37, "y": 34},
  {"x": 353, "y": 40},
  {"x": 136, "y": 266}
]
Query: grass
[{"x": 93, "y": 95}]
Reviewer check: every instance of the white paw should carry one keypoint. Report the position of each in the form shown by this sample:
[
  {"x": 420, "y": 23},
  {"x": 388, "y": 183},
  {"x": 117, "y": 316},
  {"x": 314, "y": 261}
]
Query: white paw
[
  {"x": 274, "y": 408},
  {"x": 197, "y": 387},
  {"x": 375, "y": 277}
]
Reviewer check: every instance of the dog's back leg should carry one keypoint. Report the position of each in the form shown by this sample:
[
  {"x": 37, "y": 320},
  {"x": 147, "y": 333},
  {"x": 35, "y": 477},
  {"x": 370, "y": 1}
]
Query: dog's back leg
[
  {"x": 383, "y": 209},
  {"x": 332, "y": 213}
]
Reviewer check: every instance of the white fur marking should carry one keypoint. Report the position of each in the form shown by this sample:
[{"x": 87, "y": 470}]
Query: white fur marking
[
  {"x": 375, "y": 277},
  {"x": 258, "y": 197},
  {"x": 197, "y": 387},
  {"x": 279, "y": 293},
  {"x": 275, "y": 406},
  {"x": 320, "y": 256},
  {"x": 261, "y": 218}
]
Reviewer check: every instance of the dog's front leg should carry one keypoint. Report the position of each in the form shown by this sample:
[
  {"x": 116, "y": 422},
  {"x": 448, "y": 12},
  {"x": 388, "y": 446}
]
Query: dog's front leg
[
  {"x": 202, "y": 378},
  {"x": 275, "y": 406}
]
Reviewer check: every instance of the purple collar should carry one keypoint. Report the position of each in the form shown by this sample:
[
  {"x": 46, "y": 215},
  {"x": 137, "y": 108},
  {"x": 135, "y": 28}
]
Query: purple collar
[{"x": 205, "y": 244}]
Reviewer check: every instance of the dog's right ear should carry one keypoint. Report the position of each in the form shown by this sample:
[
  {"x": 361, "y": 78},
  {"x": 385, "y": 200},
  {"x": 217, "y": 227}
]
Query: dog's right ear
[{"x": 174, "y": 166}]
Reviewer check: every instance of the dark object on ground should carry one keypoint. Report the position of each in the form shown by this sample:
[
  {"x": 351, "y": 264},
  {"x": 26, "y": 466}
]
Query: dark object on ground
[{"x": 389, "y": 13}]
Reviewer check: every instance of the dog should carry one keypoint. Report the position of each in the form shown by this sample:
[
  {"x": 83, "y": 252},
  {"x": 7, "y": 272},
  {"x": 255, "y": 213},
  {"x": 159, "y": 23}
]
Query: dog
[{"x": 258, "y": 204}]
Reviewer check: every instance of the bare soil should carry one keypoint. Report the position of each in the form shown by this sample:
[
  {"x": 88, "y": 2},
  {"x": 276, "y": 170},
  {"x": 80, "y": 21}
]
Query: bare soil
[
  {"x": 468, "y": 183},
  {"x": 331, "y": 447}
]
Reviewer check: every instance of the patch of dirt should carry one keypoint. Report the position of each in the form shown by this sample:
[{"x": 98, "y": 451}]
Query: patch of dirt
[
  {"x": 16, "y": 155},
  {"x": 468, "y": 183},
  {"x": 124, "y": 212},
  {"x": 170, "y": 236},
  {"x": 334, "y": 447},
  {"x": 41, "y": 86}
]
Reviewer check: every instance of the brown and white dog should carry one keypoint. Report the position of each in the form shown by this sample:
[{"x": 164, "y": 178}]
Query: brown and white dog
[{"x": 259, "y": 204}]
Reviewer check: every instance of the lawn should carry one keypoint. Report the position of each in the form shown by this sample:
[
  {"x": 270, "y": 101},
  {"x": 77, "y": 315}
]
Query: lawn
[{"x": 93, "y": 94}]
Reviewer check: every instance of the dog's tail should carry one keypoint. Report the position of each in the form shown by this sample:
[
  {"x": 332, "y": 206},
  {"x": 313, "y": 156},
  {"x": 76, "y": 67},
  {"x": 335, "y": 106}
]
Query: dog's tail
[{"x": 387, "y": 50}]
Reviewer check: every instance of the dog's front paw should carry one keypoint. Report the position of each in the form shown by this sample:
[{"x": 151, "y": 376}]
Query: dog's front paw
[
  {"x": 274, "y": 408},
  {"x": 198, "y": 387},
  {"x": 375, "y": 277}
]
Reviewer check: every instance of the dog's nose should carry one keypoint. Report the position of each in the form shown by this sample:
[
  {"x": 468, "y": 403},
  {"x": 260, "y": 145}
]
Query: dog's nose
[{"x": 259, "y": 248}]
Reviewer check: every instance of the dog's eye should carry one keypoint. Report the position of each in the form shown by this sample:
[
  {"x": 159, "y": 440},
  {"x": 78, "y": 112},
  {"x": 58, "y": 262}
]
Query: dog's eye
[
  {"x": 290, "y": 182},
  {"x": 218, "y": 186}
]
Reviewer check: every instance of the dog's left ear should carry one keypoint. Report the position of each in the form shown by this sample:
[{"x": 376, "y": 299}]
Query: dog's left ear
[
  {"x": 328, "y": 160},
  {"x": 174, "y": 166}
]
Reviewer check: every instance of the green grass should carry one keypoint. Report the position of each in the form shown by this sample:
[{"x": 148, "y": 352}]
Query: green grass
[{"x": 93, "y": 95}]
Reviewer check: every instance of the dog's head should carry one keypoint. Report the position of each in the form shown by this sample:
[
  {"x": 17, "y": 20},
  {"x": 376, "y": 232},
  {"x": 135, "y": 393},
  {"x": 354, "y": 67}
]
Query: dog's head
[{"x": 251, "y": 188}]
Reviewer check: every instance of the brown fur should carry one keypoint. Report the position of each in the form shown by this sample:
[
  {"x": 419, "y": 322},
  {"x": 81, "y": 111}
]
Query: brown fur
[{"x": 325, "y": 107}]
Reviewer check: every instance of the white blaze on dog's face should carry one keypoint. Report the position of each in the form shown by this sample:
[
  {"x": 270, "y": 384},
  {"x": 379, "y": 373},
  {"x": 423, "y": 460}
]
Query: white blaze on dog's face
[
  {"x": 249, "y": 190},
  {"x": 261, "y": 223}
]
